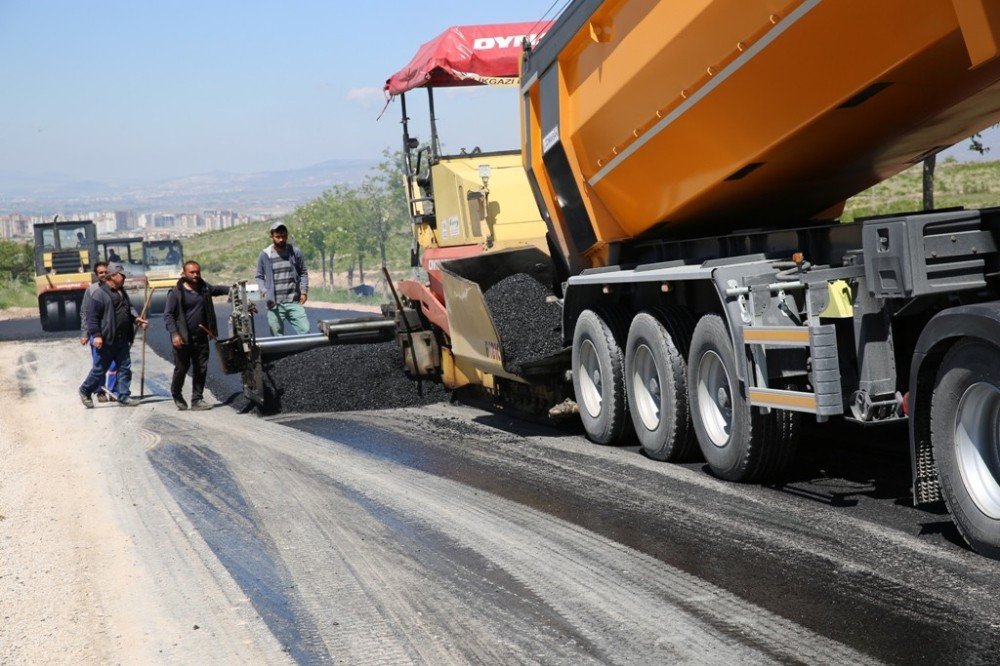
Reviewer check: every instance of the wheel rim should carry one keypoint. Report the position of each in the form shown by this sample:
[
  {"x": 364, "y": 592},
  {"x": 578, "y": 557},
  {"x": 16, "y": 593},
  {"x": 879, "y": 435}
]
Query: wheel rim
[
  {"x": 591, "y": 380},
  {"x": 715, "y": 404},
  {"x": 977, "y": 443},
  {"x": 646, "y": 387}
]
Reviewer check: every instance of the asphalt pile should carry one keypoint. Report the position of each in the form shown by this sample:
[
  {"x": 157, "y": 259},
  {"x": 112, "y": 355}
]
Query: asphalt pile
[
  {"x": 528, "y": 326},
  {"x": 347, "y": 378}
]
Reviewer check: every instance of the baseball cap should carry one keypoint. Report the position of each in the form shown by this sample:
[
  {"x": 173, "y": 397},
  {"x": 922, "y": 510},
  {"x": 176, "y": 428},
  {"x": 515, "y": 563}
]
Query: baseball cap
[
  {"x": 115, "y": 267},
  {"x": 278, "y": 225}
]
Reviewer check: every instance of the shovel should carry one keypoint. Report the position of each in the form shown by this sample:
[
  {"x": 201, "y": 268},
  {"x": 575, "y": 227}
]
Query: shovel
[{"x": 142, "y": 376}]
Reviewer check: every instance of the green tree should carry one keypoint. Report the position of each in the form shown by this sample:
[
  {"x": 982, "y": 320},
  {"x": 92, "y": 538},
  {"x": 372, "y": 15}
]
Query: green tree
[
  {"x": 17, "y": 261},
  {"x": 356, "y": 222}
]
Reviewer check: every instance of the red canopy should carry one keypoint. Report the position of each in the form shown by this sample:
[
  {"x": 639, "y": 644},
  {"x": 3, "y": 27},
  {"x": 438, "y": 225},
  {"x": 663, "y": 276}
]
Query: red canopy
[{"x": 468, "y": 55}]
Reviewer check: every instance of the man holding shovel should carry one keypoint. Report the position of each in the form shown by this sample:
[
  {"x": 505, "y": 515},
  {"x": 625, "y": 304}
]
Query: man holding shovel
[
  {"x": 190, "y": 319},
  {"x": 111, "y": 323},
  {"x": 108, "y": 389}
]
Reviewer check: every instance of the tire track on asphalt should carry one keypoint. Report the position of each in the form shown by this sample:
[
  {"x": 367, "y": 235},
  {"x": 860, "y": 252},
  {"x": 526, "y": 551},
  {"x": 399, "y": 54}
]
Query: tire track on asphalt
[
  {"x": 212, "y": 499},
  {"x": 597, "y": 586},
  {"x": 683, "y": 517},
  {"x": 26, "y": 373}
]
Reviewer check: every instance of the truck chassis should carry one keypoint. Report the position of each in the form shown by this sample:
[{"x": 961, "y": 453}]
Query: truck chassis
[{"x": 872, "y": 321}]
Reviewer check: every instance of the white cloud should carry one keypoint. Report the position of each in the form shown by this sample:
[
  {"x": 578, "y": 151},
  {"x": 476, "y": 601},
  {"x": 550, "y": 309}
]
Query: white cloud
[{"x": 367, "y": 96}]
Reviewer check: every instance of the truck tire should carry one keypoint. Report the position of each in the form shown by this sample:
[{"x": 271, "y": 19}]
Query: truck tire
[
  {"x": 965, "y": 434},
  {"x": 599, "y": 381},
  {"x": 739, "y": 443},
  {"x": 656, "y": 384}
]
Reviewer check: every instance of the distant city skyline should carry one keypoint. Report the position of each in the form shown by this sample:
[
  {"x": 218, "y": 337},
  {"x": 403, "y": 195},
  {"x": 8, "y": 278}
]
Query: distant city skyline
[{"x": 129, "y": 223}]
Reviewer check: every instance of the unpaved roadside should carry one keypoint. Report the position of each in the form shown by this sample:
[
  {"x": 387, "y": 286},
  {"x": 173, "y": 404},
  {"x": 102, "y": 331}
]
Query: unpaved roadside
[
  {"x": 17, "y": 313},
  {"x": 77, "y": 584}
]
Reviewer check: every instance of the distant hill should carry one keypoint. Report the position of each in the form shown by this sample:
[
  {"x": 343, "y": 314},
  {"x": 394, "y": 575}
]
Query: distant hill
[{"x": 261, "y": 192}]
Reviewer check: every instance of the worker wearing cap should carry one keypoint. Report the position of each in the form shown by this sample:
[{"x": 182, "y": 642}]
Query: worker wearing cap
[
  {"x": 111, "y": 322},
  {"x": 101, "y": 271},
  {"x": 190, "y": 318},
  {"x": 284, "y": 282}
]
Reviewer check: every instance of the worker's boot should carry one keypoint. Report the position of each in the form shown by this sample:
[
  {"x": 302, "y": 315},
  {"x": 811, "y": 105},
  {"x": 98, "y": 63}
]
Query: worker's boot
[
  {"x": 181, "y": 404},
  {"x": 200, "y": 406}
]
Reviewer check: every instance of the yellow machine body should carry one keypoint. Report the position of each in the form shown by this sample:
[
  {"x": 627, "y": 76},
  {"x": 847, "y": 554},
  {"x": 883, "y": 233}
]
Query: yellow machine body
[
  {"x": 479, "y": 205},
  {"x": 64, "y": 256},
  {"x": 496, "y": 214}
]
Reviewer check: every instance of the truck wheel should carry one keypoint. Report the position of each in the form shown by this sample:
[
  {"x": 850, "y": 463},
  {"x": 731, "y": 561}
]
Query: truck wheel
[
  {"x": 599, "y": 380},
  {"x": 739, "y": 443},
  {"x": 656, "y": 382},
  {"x": 965, "y": 434}
]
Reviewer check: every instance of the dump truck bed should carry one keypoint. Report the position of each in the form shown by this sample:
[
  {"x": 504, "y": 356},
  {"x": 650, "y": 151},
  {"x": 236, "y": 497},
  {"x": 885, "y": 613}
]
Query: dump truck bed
[{"x": 701, "y": 117}]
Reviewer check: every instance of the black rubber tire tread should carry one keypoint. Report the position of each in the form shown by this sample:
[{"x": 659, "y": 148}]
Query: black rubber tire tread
[
  {"x": 667, "y": 331},
  {"x": 760, "y": 446},
  {"x": 51, "y": 316},
  {"x": 613, "y": 425},
  {"x": 618, "y": 319},
  {"x": 969, "y": 361},
  {"x": 680, "y": 323},
  {"x": 71, "y": 314}
]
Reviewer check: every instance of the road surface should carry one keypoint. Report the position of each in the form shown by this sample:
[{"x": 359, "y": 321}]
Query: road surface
[{"x": 449, "y": 535}]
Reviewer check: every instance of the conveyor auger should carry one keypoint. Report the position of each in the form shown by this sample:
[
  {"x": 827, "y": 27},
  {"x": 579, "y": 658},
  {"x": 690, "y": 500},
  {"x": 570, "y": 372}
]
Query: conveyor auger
[{"x": 244, "y": 352}]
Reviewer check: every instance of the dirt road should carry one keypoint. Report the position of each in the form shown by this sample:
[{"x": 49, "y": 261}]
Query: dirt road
[{"x": 440, "y": 535}]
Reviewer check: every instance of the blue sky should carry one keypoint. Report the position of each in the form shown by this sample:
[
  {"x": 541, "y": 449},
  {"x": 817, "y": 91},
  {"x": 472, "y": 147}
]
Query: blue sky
[
  {"x": 137, "y": 89},
  {"x": 143, "y": 89}
]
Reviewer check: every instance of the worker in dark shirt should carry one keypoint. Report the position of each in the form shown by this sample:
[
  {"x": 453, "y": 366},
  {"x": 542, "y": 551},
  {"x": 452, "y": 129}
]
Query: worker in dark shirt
[
  {"x": 111, "y": 323},
  {"x": 189, "y": 316}
]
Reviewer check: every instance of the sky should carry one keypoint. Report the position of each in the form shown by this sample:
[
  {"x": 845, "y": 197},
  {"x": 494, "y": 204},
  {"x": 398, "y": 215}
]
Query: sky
[{"x": 133, "y": 90}]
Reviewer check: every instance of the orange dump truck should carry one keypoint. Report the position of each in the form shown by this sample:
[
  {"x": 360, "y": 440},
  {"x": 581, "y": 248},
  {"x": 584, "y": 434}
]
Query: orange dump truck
[
  {"x": 690, "y": 158},
  {"x": 687, "y": 160}
]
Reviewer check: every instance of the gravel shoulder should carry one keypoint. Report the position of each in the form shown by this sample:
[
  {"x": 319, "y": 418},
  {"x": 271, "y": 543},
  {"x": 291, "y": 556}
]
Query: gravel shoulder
[{"x": 96, "y": 568}]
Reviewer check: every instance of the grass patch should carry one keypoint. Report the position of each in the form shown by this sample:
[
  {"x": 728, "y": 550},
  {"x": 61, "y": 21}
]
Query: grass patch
[
  {"x": 966, "y": 184},
  {"x": 17, "y": 294}
]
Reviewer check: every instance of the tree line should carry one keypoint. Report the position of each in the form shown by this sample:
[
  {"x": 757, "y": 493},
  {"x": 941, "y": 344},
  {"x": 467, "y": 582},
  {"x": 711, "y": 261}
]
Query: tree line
[
  {"x": 348, "y": 225},
  {"x": 17, "y": 261}
]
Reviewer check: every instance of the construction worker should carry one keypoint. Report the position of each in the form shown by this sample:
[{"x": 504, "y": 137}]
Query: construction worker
[
  {"x": 190, "y": 318},
  {"x": 108, "y": 391},
  {"x": 111, "y": 323},
  {"x": 284, "y": 282}
]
